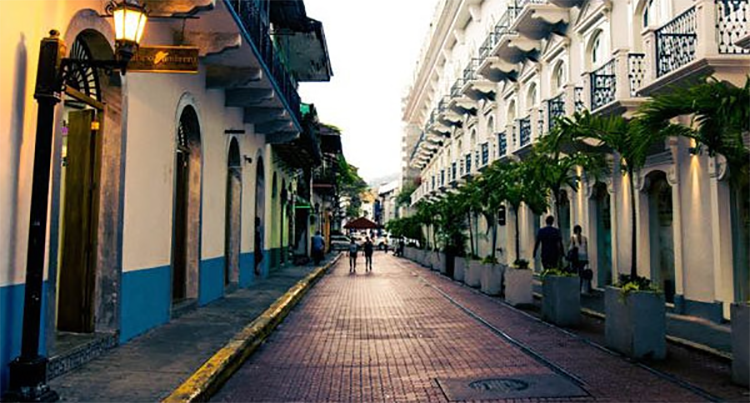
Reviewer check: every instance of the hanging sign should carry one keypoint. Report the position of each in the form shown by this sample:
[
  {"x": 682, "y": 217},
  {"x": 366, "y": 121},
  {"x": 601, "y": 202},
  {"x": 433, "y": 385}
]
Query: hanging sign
[{"x": 165, "y": 59}]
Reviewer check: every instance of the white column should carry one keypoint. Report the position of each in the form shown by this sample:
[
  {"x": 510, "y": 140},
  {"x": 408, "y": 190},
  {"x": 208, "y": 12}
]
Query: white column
[
  {"x": 622, "y": 74},
  {"x": 705, "y": 16},
  {"x": 721, "y": 234}
]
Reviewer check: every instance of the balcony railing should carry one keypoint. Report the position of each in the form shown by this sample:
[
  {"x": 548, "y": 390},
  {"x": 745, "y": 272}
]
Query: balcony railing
[
  {"x": 578, "y": 104},
  {"x": 456, "y": 88},
  {"x": 453, "y": 171},
  {"x": 603, "y": 85},
  {"x": 470, "y": 72},
  {"x": 636, "y": 72},
  {"x": 467, "y": 160},
  {"x": 524, "y": 130},
  {"x": 502, "y": 145},
  {"x": 731, "y": 25},
  {"x": 442, "y": 178},
  {"x": 257, "y": 26},
  {"x": 485, "y": 153},
  {"x": 675, "y": 42},
  {"x": 555, "y": 109}
]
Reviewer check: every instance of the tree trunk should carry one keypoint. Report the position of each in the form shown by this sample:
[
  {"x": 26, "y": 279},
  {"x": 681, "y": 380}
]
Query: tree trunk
[
  {"x": 471, "y": 233},
  {"x": 633, "y": 222}
]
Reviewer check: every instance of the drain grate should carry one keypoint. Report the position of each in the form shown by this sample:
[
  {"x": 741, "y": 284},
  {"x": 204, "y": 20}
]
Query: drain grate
[{"x": 513, "y": 387}]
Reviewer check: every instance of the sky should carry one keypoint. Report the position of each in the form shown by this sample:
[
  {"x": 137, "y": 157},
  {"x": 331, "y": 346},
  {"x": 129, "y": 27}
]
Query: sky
[{"x": 373, "y": 46}]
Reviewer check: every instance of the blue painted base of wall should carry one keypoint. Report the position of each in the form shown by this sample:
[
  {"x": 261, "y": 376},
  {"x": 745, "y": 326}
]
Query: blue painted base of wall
[
  {"x": 712, "y": 311},
  {"x": 146, "y": 301},
  {"x": 11, "y": 326},
  {"x": 211, "y": 277},
  {"x": 247, "y": 269}
]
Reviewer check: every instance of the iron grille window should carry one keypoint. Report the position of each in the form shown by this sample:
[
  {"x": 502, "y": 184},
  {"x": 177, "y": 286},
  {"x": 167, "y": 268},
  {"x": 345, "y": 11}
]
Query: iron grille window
[
  {"x": 485, "y": 153},
  {"x": 675, "y": 43},
  {"x": 502, "y": 145},
  {"x": 603, "y": 85},
  {"x": 524, "y": 130},
  {"x": 556, "y": 109},
  {"x": 453, "y": 171},
  {"x": 578, "y": 94},
  {"x": 731, "y": 24},
  {"x": 468, "y": 163}
]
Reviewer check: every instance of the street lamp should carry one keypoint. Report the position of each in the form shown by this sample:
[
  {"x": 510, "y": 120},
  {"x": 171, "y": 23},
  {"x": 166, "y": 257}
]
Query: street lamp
[{"x": 28, "y": 372}]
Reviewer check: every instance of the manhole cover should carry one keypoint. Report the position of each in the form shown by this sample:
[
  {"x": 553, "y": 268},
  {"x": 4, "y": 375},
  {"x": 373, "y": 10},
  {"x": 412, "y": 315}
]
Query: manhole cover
[
  {"x": 502, "y": 385},
  {"x": 517, "y": 386}
]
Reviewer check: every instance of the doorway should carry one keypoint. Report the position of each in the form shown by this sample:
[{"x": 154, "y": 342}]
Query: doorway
[
  {"x": 661, "y": 234},
  {"x": 603, "y": 228},
  {"x": 260, "y": 211},
  {"x": 187, "y": 200},
  {"x": 233, "y": 215},
  {"x": 741, "y": 238},
  {"x": 563, "y": 222}
]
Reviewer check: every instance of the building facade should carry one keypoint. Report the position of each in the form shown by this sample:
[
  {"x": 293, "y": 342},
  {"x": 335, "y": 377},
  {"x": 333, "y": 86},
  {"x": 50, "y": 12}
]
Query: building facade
[
  {"x": 494, "y": 75},
  {"x": 166, "y": 189}
]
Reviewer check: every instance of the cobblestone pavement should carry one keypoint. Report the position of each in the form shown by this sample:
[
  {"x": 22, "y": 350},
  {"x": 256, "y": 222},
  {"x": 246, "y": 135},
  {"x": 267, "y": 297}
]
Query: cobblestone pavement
[{"x": 389, "y": 335}]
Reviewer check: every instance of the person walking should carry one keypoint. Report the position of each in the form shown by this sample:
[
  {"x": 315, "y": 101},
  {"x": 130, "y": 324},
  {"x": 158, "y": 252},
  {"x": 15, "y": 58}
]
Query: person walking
[
  {"x": 368, "y": 254},
  {"x": 579, "y": 257},
  {"x": 551, "y": 242},
  {"x": 353, "y": 256},
  {"x": 318, "y": 244}
]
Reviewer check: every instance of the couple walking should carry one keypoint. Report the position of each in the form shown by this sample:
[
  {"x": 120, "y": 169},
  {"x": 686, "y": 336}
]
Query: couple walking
[
  {"x": 353, "y": 248},
  {"x": 550, "y": 240}
]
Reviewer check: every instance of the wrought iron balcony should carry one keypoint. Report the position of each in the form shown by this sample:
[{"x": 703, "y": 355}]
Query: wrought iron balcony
[
  {"x": 603, "y": 84},
  {"x": 524, "y": 130},
  {"x": 675, "y": 43},
  {"x": 442, "y": 178},
  {"x": 453, "y": 172},
  {"x": 502, "y": 145},
  {"x": 467, "y": 164},
  {"x": 486, "y": 48},
  {"x": 456, "y": 88},
  {"x": 731, "y": 24},
  {"x": 485, "y": 148},
  {"x": 257, "y": 26},
  {"x": 555, "y": 109},
  {"x": 636, "y": 72},
  {"x": 579, "y": 106},
  {"x": 470, "y": 72}
]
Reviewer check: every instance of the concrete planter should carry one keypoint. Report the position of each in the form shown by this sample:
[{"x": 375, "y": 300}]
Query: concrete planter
[
  {"x": 432, "y": 260},
  {"x": 518, "y": 287},
  {"x": 740, "y": 340},
  {"x": 459, "y": 268},
  {"x": 419, "y": 256},
  {"x": 636, "y": 323},
  {"x": 441, "y": 264},
  {"x": 561, "y": 300},
  {"x": 410, "y": 252},
  {"x": 472, "y": 276},
  {"x": 491, "y": 279}
]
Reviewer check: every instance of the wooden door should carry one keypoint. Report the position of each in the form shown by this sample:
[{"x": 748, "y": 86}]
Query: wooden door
[
  {"x": 77, "y": 268},
  {"x": 233, "y": 228}
]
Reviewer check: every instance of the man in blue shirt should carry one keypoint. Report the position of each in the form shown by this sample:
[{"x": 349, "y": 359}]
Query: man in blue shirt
[
  {"x": 552, "y": 248},
  {"x": 317, "y": 247}
]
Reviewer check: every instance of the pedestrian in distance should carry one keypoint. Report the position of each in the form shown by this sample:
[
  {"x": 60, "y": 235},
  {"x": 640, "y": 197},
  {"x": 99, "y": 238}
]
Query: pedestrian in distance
[
  {"x": 368, "y": 255},
  {"x": 551, "y": 242},
  {"x": 578, "y": 255},
  {"x": 318, "y": 245},
  {"x": 353, "y": 256}
]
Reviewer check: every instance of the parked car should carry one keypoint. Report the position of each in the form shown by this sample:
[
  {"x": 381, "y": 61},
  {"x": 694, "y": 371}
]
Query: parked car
[
  {"x": 340, "y": 242},
  {"x": 382, "y": 241}
]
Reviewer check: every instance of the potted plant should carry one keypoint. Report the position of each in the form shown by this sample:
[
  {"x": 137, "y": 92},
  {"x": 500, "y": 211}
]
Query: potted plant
[
  {"x": 740, "y": 315},
  {"x": 491, "y": 277},
  {"x": 459, "y": 268},
  {"x": 561, "y": 301},
  {"x": 472, "y": 276},
  {"x": 518, "y": 283}
]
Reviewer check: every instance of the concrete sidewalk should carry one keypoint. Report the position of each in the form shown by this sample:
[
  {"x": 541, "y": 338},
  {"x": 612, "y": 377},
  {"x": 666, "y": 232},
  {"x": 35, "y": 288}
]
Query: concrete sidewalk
[
  {"x": 690, "y": 331},
  {"x": 151, "y": 366}
]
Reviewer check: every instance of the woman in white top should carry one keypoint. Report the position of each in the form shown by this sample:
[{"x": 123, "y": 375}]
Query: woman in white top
[{"x": 579, "y": 245}]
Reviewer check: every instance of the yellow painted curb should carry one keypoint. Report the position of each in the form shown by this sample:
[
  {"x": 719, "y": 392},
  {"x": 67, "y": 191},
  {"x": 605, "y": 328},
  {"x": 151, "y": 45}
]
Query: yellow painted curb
[{"x": 204, "y": 382}]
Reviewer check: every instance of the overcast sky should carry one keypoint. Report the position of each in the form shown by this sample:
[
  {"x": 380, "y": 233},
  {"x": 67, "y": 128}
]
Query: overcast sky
[{"x": 374, "y": 47}]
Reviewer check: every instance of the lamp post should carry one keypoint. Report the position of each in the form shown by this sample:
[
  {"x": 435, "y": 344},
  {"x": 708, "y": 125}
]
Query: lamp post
[{"x": 28, "y": 372}]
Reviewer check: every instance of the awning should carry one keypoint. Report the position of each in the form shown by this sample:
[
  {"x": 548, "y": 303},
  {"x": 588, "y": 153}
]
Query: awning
[{"x": 361, "y": 223}]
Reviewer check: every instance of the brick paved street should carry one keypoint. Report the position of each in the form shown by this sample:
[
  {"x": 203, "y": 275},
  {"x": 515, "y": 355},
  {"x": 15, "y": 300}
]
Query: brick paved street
[{"x": 389, "y": 335}]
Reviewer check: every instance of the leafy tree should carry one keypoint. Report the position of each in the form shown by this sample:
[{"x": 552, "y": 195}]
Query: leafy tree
[
  {"x": 426, "y": 217},
  {"x": 349, "y": 184},
  {"x": 450, "y": 223},
  {"x": 404, "y": 196},
  {"x": 472, "y": 196}
]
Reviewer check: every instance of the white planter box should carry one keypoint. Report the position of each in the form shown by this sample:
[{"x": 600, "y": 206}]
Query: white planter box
[
  {"x": 636, "y": 323},
  {"x": 472, "y": 277},
  {"x": 440, "y": 263},
  {"x": 459, "y": 268},
  {"x": 492, "y": 279},
  {"x": 740, "y": 341},
  {"x": 561, "y": 300},
  {"x": 410, "y": 253},
  {"x": 518, "y": 287},
  {"x": 419, "y": 256}
]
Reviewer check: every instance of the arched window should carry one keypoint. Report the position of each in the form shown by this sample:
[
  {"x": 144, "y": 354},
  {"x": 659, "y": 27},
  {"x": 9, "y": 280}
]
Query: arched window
[
  {"x": 490, "y": 125},
  {"x": 649, "y": 14},
  {"x": 558, "y": 76},
  {"x": 597, "y": 53},
  {"x": 531, "y": 96},
  {"x": 511, "y": 112}
]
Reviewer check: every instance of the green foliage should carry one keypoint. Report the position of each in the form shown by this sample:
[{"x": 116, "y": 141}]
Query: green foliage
[
  {"x": 406, "y": 227},
  {"x": 557, "y": 272},
  {"x": 521, "y": 264},
  {"x": 489, "y": 259},
  {"x": 450, "y": 224},
  {"x": 351, "y": 185},
  {"x": 404, "y": 196}
]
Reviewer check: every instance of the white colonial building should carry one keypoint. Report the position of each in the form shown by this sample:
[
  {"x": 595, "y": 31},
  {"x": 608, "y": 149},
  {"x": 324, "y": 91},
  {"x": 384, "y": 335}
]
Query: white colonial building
[{"x": 493, "y": 75}]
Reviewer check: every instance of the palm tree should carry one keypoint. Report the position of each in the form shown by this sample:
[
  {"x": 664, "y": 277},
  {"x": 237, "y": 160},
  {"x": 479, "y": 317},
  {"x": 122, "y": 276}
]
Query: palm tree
[
  {"x": 516, "y": 183},
  {"x": 631, "y": 141},
  {"x": 450, "y": 223},
  {"x": 556, "y": 157},
  {"x": 471, "y": 197},
  {"x": 425, "y": 214}
]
